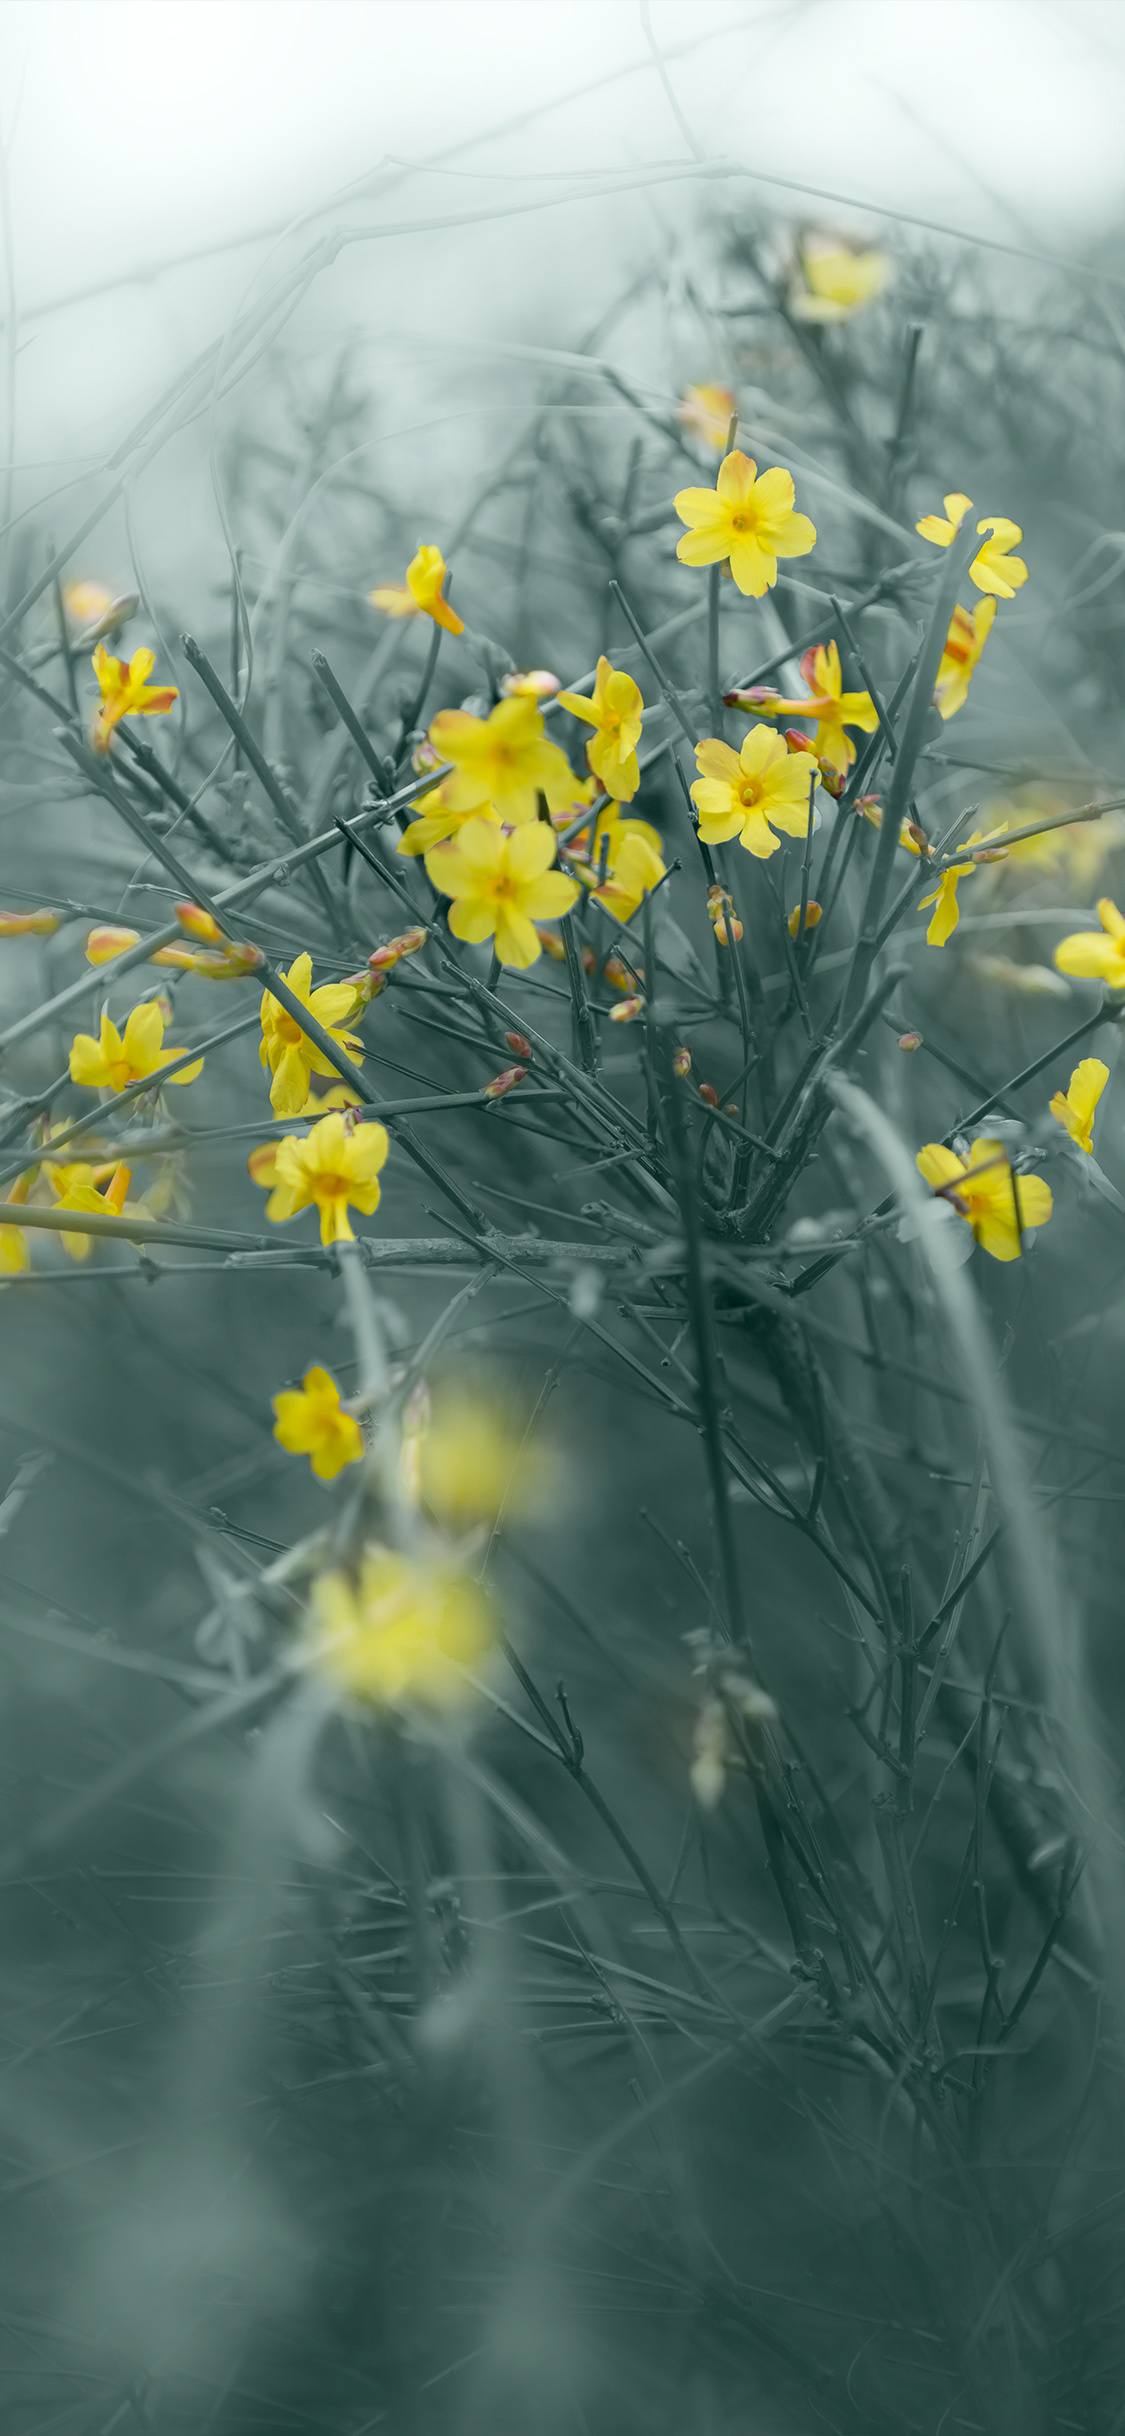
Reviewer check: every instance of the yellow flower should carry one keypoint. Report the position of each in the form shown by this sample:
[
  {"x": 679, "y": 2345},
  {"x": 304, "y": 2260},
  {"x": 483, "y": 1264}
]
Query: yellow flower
[
  {"x": 834, "y": 710},
  {"x": 434, "y": 819},
  {"x": 1090, "y": 955},
  {"x": 126, "y": 692},
  {"x": 116, "y": 1058},
  {"x": 753, "y": 793},
  {"x": 993, "y": 569},
  {"x": 333, "y": 1167},
  {"x": 623, "y": 864},
  {"x": 502, "y": 885},
  {"x": 1075, "y": 1106},
  {"x": 75, "y": 1187},
  {"x": 706, "y": 409},
  {"x": 615, "y": 711},
  {"x": 422, "y": 593},
  {"x": 291, "y": 1057},
  {"x": 969, "y": 630},
  {"x": 87, "y": 602},
  {"x": 311, "y": 1421},
  {"x": 505, "y": 761},
  {"x": 748, "y": 518},
  {"x": 467, "y": 1458},
  {"x": 537, "y": 683},
  {"x": 14, "y": 1253},
  {"x": 947, "y": 912},
  {"x": 401, "y": 1629},
  {"x": 985, "y": 1191},
  {"x": 837, "y": 280}
]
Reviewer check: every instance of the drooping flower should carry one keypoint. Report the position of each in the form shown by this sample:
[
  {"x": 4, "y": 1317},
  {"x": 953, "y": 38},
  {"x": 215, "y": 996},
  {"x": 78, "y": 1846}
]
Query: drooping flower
[
  {"x": 422, "y": 593},
  {"x": 623, "y": 864},
  {"x": 751, "y": 794},
  {"x": 75, "y": 1186},
  {"x": 433, "y": 819},
  {"x": 994, "y": 569},
  {"x": 126, "y": 692},
  {"x": 834, "y": 281},
  {"x": 310, "y": 1420},
  {"x": 116, "y": 1058},
  {"x": 1091, "y": 955},
  {"x": 984, "y": 1189},
  {"x": 506, "y": 761},
  {"x": 749, "y": 518},
  {"x": 706, "y": 409},
  {"x": 502, "y": 884},
  {"x": 332, "y": 1168},
  {"x": 969, "y": 630},
  {"x": 402, "y": 1628},
  {"x": 947, "y": 911},
  {"x": 826, "y": 701},
  {"x": 615, "y": 711},
  {"x": 288, "y": 1052},
  {"x": 1074, "y": 1108}
]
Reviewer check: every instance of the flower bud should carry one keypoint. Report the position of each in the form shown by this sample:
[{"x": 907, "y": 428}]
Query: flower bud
[
  {"x": 507, "y": 1081},
  {"x": 832, "y": 781},
  {"x": 30, "y": 925},
  {"x": 109, "y": 940},
  {"x": 628, "y": 1010},
  {"x": 199, "y": 924},
  {"x": 550, "y": 943},
  {"x": 536, "y": 683},
  {"x": 797, "y": 740},
  {"x": 519, "y": 1045},
  {"x": 751, "y": 697},
  {"x": 681, "y": 1062},
  {"x": 708, "y": 1092},
  {"x": 910, "y": 1040},
  {"x": 813, "y": 912}
]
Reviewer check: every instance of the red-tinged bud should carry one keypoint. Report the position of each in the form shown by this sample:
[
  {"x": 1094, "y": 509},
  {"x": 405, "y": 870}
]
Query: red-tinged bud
[
  {"x": 731, "y": 1107},
  {"x": 383, "y": 959},
  {"x": 628, "y": 1010},
  {"x": 708, "y": 1092},
  {"x": 832, "y": 781},
  {"x": 681, "y": 1062},
  {"x": 505, "y": 1082},
  {"x": 39, "y": 925},
  {"x": 870, "y": 808},
  {"x": 536, "y": 683},
  {"x": 751, "y": 697},
  {"x": 621, "y": 976},
  {"x": 716, "y": 899},
  {"x": 408, "y": 942},
  {"x": 550, "y": 943},
  {"x": 994, "y": 854},
  {"x": 728, "y": 930},
  {"x": 797, "y": 740},
  {"x": 519, "y": 1045},
  {"x": 199, "y": 924},
  {"x": 813, "y": 912},
  {"x": 107, "y": 941},
  {"x": 910, "y": 1040},
  {"x": 917, "y": 836},
  {"x": 589, "y": 960}
]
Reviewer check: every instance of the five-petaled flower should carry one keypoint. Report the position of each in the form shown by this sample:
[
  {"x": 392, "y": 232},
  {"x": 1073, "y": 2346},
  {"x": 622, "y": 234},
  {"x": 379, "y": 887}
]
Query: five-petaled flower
[
  {"x": 332, "y": 1168},
  {"x": 947, "y": 911},
  {"x": 986, "y": 1192},
  {"x": 1074, "y": 1108},
  {"x": 126, "y": 692},
  {"x": 310, "y": 1420},
  {"x": 1093, "y": 955},
  {"x": 422, "y": 594},
  {"x": 834, "y": 710},
  {"x": 707, "y": 409},
  {"x": 749, "y": 518},
  {"x": 116, "y": 1059},
  {"x": 502, "y": 884},
  {"x": 994, "y": 569},
  {"x": 969, "y": 630},
  {"x": 615, "y": 711},
  {"x": 753, "y": 793},
  {"x": 505, "y": 761},
  {"x": 291, "y": 1056},
  {"x": 837, "y": 280},
  {"x": 401, "y": 1628}
]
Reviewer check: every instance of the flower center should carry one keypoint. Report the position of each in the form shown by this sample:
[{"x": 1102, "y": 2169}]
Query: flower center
[
  {"x": 750, "y": 794},
  {"x": 744, "y": 521}
]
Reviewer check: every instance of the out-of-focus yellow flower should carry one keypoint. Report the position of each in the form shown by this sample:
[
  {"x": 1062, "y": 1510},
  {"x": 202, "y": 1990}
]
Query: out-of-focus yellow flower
[
  {"x": 464, "y": 1459},
  {"x": 422, "y": 594},
  {"x": 501, "y": 884},
  {"x": 331, "y": 1169},
  {"x": 288, "y": 1052},
  {"x": 40, "y": 925},
  {"x": 116, "y": 1058},
  {"x": 1092, "y": 955},
  {"x": 434, "y": 819},
  {"x": 947, "y": 911},
  {"x": 749, "y": 518},
  {"x": 1074, "y": 1108},
  {"x": 536, "y": 683},
  {"x": 14, "y": 1253},
  {"x": 87, "y": 602},
  {"x": 506, "y": 761},
  {"x": 75, "y": 1186},
  {"x": 615, "y": 711},
  {"x": 126, "y": 692},
  {"x": 707, "y": 409},
  {"x": 994, "y": 569},
  {"x": 969, "y": 630},
  {"x": 986, "y": 1192},
  {"x": 401, "y": 1629},
  {"x": 753, "y": 793},
  {"x": 622, "y": 863},
  {"x": 826, "y": 701},
  {"x": 834, "y": 281},
  {"x": 310, "y": 1420},
  {"x": 1028, "y": 980}
]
